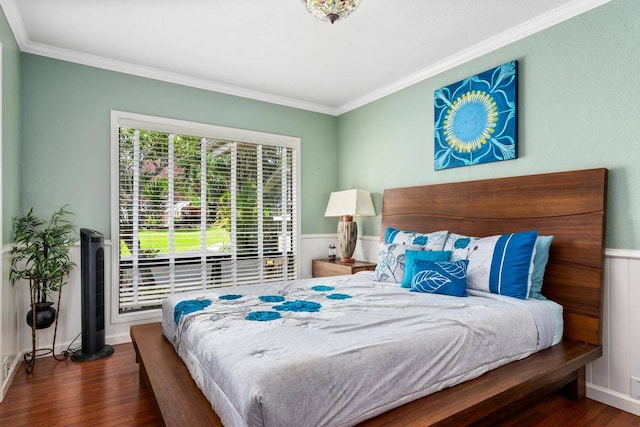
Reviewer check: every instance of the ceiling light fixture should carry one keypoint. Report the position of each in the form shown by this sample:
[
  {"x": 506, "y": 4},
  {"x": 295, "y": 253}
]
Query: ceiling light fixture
[{"x": 331, "y": 10}]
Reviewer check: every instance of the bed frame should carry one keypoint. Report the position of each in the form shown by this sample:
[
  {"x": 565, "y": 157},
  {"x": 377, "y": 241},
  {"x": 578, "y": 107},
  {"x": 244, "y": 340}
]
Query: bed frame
[{"x": 570, "y": 206}]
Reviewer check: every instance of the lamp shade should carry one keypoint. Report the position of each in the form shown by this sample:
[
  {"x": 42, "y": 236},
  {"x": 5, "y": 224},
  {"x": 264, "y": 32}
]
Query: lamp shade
[{"x": 350, "y": 203}]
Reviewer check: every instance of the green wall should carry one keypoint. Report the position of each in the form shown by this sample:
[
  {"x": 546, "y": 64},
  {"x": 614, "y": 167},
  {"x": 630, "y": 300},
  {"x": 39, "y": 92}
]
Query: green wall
[
  {"x": 578, "y": 108},
  {"x": 66, "y": 145},
  {"x": 10, "y": 128}
]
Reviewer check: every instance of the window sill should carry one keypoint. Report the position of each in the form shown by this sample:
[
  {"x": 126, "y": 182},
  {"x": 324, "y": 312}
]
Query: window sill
[{"x": 153, "y": 315}]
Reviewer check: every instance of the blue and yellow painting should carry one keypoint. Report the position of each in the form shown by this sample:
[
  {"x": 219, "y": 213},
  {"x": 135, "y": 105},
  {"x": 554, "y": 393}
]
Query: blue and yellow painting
[{"x": 475, "y": 119}]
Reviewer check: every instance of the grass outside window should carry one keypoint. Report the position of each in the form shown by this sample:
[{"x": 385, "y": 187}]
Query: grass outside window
[{"x": 184, "y": 240}]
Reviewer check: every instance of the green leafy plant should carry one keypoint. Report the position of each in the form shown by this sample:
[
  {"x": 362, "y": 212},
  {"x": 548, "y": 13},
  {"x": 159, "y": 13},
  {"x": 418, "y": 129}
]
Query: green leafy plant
[{"x": 41, "y": 251}]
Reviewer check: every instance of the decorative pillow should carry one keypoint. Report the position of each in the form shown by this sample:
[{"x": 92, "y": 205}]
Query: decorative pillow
[
  {"x": 412, "y": 256},
  {"x": 445, "y": 278},
  {"x": 391, "y": 260},
  {"x": 499, "y": 264},
  {"x": 430, "y": 241},
  {"x": 543, "y": 243}
]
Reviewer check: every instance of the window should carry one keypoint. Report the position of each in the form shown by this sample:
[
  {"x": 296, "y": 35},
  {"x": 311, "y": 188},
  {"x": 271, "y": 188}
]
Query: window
[{"x": 199, "y": 206}]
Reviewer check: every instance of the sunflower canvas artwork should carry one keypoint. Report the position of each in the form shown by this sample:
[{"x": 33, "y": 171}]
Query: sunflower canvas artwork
[{"x": 475, "y": 119}]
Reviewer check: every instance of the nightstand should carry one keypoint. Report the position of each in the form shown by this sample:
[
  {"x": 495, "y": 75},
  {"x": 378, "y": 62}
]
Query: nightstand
[{"x": 324, "y": 267}]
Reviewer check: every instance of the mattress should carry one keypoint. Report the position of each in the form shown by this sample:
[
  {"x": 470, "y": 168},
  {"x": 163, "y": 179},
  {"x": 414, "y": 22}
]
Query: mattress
[{"x": 337, "y": 351}]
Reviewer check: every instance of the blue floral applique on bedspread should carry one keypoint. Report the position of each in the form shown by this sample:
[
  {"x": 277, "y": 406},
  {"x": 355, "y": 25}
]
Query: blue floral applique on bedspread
[
  {"x": 189, "y": 306},
  {"x": 338, "y": 296},
  {"x": 299, "y": 305},
  {"x": 263, "y": 316},
  {"x": 322, "y": 288},
  {"x": 229, "y": 297},
  {"x": 271, "y": 298}
]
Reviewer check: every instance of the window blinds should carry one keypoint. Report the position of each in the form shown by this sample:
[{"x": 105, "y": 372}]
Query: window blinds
[{"x": 200, "y": 212}]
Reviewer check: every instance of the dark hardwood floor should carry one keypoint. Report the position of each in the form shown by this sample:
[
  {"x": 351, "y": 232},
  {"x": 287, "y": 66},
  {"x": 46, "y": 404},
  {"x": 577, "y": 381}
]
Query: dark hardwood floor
[
  {"x": 99, "y": 393},
  {"x": 106, "y": 393}
]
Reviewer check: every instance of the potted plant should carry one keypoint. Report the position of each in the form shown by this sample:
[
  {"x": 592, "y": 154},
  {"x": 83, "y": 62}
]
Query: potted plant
[{"x": 41, "y": 255}]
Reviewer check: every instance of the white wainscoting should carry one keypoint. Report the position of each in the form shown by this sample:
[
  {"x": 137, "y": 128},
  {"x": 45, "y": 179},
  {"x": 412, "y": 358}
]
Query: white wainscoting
[
  {"x": 608, "y": 379},
  {"x": 9, "y": 343}
]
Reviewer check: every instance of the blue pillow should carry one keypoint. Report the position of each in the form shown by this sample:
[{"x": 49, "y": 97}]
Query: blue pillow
[
  {"x": 445, "y": 278},
  {"x": 540, "y": 260},
  {"x": 411, "y": 256},
  {"x": 501, "y": 264},
  {"x": 429, "y": 241}
]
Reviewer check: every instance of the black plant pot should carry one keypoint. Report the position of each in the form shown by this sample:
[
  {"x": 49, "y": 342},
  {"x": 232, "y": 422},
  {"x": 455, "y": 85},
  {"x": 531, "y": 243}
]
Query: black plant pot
[{"x": 45, "y": 315}]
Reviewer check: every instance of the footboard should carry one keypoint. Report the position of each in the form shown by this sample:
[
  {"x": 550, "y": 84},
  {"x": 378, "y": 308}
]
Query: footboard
[
  {"x": 178, "y": 401},
  {"x": 500, "y": 392}
]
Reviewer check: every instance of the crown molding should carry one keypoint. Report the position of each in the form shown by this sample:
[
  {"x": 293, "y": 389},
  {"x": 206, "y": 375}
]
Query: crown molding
[
  {"x": 170, "y": 77},
  {"x": 542, "y": 22},
  {"x": 16, "y": 24},
  {"x": 533, "y": 26}
]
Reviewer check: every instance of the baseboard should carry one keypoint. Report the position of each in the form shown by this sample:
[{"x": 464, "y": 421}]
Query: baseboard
[
  {"x": 61, "y": 347},
  {"x": 10, "y": 375},
  {"x": 118, "y": 339},
  {"x": 613, "y": 398},
  {"x": 114, "y": 339}
]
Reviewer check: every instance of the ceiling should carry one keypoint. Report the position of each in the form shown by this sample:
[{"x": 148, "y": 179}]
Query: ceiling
[{"x": 274, "y": 50}]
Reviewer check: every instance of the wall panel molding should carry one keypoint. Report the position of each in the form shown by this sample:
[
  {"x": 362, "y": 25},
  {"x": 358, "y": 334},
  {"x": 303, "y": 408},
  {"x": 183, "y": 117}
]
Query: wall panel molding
[
  {"x": 608, "y": 378},
  {"x": 10, "y": 354}
]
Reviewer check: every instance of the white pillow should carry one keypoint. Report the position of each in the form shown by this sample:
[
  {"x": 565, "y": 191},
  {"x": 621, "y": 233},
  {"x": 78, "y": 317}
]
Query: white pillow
[
  {"x": 429, "y": 241},
  {"x": 391, "y": 261},
  {"x": 500, "y": 264}
]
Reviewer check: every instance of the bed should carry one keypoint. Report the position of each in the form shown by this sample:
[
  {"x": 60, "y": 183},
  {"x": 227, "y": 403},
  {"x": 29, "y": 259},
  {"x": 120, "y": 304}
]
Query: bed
[{"x": 568, "y": 205}]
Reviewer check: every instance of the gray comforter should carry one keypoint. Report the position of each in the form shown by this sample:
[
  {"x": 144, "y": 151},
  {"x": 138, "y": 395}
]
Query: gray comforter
[{"x": 336, "y": 351}]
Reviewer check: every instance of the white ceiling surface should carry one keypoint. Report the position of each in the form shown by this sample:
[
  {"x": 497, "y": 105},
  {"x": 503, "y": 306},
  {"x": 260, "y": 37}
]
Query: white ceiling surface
[{"x": 274, "y": 50}]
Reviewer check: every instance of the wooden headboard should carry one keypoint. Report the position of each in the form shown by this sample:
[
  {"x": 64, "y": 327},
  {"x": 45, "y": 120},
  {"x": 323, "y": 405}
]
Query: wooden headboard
[{"x": 571, "y": 206}]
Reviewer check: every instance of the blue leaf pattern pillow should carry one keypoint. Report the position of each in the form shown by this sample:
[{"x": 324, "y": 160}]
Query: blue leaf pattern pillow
[
  {"x": 445, "y": 278},
  {"x": 412, "y": 256},
  {"x": 501, "y": 264},
  {"x": 391, "y": 261},
  {"x": 429, "y": 241}
]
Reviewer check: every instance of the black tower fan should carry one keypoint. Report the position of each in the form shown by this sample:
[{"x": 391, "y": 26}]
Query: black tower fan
[{"x": 92, "y": 271}]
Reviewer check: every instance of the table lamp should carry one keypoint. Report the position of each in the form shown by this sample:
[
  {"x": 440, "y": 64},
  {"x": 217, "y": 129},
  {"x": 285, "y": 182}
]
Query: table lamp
[{"x": 347, "y": 204}]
